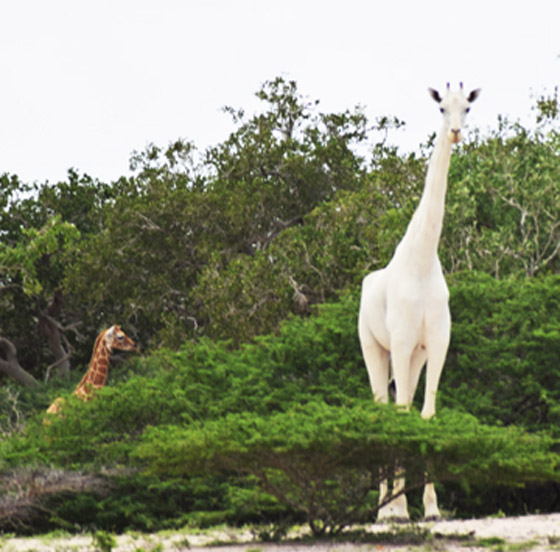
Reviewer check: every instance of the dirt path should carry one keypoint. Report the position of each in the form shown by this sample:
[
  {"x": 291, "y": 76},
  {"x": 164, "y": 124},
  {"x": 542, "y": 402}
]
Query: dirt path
[{"x": 538, "y": 533}]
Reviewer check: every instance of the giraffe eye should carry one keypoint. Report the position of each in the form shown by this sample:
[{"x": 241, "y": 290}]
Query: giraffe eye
[
  {"x": 467, "y": 110},
  {"x": 441, "y": 110},
  {"x": 120, "y": 337}
]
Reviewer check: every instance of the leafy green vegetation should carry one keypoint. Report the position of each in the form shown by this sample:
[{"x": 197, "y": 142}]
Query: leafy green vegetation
[{"x": 238, "y": 271}]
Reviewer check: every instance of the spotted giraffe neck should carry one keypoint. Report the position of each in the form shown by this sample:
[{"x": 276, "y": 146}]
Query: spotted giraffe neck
[{"x": 96, "y": 376}]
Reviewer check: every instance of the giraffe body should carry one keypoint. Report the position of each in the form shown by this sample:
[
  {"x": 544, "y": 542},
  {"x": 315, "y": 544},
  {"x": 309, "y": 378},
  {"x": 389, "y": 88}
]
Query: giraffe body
[
  {"x": 404, "y": 312},
  {"x": 96, "y": 375}
]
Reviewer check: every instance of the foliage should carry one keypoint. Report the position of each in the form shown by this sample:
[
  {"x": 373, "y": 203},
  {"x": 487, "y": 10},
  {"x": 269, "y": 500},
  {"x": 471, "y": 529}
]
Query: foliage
[
  {"x": 305, "y": 265},
  {"x": 22, "y": 261},
  {"x": 280, "y": 164},
  {"x": 42, "y": 228},
  {"x": 327, "y": 460},
  {"x": 103, "y": 541},
  {"x": 504, "y": 350},
  {"x": 293, "y": 412},
  {"x": 315, "y": 356},
  {"x": 503, "y": 216},
  {"x": 284, "y": 214},
  {"x": 173, "y": 222},
  {"x": 245, "y": 260}
]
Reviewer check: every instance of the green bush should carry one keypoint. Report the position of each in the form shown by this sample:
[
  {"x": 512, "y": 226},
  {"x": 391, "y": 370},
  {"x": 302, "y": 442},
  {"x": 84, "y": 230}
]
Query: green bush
[
  {"x": 326, "y": 461},
  {"x": 505, "y": 350},
  {"x": 308, "y": 387}
]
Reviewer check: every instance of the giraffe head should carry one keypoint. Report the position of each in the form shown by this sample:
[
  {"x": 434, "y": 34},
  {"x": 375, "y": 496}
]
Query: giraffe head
[
  {"x": 115, "y": 338},
  {"x": 454, "y": 106}
]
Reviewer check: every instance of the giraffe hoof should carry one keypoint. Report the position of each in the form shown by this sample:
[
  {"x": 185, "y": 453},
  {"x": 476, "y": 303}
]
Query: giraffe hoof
[{"x": 433, "y": 518}]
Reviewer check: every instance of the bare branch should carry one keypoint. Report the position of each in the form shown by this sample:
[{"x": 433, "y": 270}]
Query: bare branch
[
  {"x": 50, "y": 328},
  {"x": 64, "y": 359}
]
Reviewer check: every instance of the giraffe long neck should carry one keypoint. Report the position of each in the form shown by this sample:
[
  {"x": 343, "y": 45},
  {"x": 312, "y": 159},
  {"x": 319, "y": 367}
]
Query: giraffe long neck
[
  {"x": 96, "y": 376},
  {"x": 425, "y": 227}
]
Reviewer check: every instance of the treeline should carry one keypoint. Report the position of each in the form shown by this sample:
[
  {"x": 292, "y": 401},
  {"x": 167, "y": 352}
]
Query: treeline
[
  {"x": 216, "y": 263},
  {"x": 281, "y": 216}
]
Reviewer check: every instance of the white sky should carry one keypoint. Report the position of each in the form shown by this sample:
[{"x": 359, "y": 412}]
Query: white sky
[{"x": 86, "y": 82}]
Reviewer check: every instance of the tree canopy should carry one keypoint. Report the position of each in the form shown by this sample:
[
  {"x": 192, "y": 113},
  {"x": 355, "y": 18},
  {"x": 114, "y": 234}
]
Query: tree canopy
[{"x": 237, "y": 269}]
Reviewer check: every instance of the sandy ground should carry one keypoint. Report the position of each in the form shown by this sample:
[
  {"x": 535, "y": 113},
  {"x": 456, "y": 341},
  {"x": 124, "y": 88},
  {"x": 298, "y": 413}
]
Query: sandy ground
[{"x": 538, "y": 533}]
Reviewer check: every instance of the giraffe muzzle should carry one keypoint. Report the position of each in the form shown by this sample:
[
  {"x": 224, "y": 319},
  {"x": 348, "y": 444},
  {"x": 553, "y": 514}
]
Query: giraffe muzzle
[{"x": 455, "y": 135}]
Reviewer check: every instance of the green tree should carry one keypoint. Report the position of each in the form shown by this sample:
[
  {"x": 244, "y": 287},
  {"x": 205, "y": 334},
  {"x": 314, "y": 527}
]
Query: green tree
[
  {"x": 332, "y": 249},
  {"x": 183, "y": 215},
  {"x": 30, "y": 271},
  {"x": 502, "y": 214},
  {"x": 504, "y": 350},
  {"x": 327, "y": 461},
  {"x": 41, "y": 228},
  {"x": 278, "y": 165}
]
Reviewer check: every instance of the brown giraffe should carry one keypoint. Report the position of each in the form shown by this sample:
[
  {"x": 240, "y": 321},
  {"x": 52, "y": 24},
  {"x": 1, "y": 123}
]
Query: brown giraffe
[{"x": 96, "y": 376}]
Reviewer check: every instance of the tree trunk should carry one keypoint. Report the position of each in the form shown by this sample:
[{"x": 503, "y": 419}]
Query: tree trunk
[
  {"x": 11, "y": 366},
  {"x": 50, "y": 328}
]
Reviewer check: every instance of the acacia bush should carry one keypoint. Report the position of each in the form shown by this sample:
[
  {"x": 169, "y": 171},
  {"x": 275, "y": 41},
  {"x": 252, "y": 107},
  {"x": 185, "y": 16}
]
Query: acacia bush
[
  {"x": 504, "y": 351},
  {"x": 318, "y": 356},
  {"x": 190, "y": 423},
  {"x": 327, "y": 461}
]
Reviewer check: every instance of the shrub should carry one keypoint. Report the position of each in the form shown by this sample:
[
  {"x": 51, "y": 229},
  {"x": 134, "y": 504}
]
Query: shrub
[{"x": 326, "y": 461}]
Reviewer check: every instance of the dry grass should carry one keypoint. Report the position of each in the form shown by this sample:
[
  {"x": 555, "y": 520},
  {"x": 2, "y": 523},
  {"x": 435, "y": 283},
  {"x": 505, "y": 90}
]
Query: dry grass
[{"x": 24, "y": 491}]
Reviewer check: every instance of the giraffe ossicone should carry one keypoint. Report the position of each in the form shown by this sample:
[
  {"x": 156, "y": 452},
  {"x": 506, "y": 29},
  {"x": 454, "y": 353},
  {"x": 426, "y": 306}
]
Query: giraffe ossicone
[
  {"x": 404, "y": 317},
  {"x": 96, "y": 376}
]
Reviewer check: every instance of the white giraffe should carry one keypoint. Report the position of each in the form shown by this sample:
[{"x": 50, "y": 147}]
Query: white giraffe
[{"x": 404, "y": 311}]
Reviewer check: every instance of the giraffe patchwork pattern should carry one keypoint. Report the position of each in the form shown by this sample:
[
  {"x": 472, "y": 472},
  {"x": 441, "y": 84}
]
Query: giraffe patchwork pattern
[{"x": 96, "y": 375}]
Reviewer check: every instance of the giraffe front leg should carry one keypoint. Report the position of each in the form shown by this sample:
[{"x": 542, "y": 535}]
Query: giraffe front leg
[
  {"x": 431, "y": 510},
  {"x": 399, "y": 504},
  {"x": 436, "y": 345},
  {"x": 376, "y": 359},
  {"x": 385, "y": 511},
  {"x": 396, "y": 510},
  {"x": 437, "y": 351},
  {"x": 401, "y": 355}
]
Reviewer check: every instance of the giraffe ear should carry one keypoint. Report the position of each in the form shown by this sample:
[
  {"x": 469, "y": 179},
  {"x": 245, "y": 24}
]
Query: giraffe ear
[
  {"x": 110, "y": 333},
  {"x": 435, "y": 95},
  {"x": 473, "y": 95}
]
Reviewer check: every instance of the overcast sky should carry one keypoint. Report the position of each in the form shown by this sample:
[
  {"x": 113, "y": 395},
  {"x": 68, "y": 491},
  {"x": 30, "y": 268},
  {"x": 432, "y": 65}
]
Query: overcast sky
[{"x": 84, "y": 83}]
